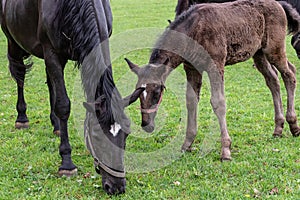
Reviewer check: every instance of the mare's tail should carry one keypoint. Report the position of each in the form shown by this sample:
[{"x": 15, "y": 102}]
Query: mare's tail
[{"x": 292, "y": 16}]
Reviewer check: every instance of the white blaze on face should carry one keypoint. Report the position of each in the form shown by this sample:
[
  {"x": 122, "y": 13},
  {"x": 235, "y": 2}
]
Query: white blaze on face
[
  {"x": 115, "y": 128},
  {"x": 145, "y": 92}
]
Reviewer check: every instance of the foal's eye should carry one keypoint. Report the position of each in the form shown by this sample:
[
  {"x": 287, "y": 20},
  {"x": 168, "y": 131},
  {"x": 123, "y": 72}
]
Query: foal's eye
[{"x": 156, "y": 93}]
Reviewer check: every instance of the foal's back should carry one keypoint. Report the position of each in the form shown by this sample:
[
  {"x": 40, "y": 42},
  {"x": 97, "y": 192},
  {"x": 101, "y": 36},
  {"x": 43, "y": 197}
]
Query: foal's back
[{"x": 233, "y": 32}]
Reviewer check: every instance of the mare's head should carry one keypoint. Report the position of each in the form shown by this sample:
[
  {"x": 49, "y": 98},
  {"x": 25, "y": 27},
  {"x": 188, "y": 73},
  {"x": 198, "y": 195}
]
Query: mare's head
[
  {"x": 151, "y": 77},
  {"x": 296, "y": 43},
  {"x": 106, "y": 130}
]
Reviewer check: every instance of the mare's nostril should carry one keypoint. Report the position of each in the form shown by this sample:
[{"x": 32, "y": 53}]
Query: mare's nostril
[
  {"x": 107, "y": 187},
  {"x": 122, "y": 190}
]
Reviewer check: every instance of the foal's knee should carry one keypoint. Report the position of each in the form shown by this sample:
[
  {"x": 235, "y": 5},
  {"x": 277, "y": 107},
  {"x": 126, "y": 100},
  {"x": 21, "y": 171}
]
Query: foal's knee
[{"x": 218, "y": 105}]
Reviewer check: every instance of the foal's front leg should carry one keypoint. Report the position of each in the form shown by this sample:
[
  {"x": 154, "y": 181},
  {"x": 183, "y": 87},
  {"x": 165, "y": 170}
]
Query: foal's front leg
[
  {"x": 54, "y": 67},
  {"x": 194, "y": 82},
  {"x": 219, "y": 106}
]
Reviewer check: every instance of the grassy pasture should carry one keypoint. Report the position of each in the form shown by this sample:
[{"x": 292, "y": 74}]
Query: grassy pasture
[{"x": 262, "y": 167}]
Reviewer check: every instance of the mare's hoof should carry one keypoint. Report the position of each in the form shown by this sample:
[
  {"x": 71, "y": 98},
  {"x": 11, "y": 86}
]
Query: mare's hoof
[
  {"x": 21, "y": 125},
  {"x": 57, "y": 133},
  {"x": 67, "y": 173}
]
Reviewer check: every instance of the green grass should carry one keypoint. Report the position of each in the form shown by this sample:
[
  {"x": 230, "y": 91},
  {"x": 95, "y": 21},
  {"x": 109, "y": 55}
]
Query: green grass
[{"x": 156, "y": 169}]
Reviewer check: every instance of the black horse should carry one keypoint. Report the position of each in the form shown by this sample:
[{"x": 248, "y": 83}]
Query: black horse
[
  {"x": 183, "y": 5},
  {"x": 78, "y": 30}
]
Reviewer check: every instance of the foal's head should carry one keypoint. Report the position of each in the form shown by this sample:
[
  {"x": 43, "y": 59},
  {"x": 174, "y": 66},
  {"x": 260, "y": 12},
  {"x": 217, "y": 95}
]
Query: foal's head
[{"x": 151, "y": 77}]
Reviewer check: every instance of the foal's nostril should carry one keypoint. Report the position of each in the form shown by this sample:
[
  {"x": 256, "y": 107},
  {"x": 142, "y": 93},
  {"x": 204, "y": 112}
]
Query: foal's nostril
[
  {"x": 144, "y": 123},
  {"x": 149, "y": 128}
]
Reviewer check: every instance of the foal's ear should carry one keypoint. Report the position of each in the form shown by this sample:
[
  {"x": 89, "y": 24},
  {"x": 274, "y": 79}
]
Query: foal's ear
[
  {"x": 135, "y": 68},
  {"x": 133, "y": 97},
  {"x": 167, "y": 61}
]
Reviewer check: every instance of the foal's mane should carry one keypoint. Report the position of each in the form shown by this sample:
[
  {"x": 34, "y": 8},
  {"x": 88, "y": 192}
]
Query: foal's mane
[{"x": 163, "y": 41}]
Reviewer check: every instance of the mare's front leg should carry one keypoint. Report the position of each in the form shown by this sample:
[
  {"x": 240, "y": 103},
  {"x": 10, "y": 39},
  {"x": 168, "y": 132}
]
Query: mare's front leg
[
  {"x": 54, "y": 119},
  {"x": 18, "y": 70},
  {"x": 54, "y": 67},
  {"x": 216, "y": 78},
  {"x": 194, "y": 82}
]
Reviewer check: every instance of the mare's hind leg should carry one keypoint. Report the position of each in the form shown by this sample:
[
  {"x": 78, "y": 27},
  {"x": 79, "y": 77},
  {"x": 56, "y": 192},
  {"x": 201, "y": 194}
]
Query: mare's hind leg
[
  {"x": 18, "y": 70},
  {"x": 54, "y": 119},
  {"x": 272, "y": 82},
  {"x": 216, "y": 78},
  {"x": 287, "y": 71},
  {"x": 194, "y": 79}
]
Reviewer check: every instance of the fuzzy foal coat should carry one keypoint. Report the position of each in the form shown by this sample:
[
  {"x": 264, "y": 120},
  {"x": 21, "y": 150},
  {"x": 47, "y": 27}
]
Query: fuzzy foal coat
[{"x": 209, "y": 36}]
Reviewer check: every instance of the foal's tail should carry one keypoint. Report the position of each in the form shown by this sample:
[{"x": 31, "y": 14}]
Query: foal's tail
[{"x": 292, "y": 16}]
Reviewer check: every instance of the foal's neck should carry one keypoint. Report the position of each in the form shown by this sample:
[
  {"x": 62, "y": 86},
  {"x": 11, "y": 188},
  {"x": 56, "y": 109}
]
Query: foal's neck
[{"x": 165, "y": 62}]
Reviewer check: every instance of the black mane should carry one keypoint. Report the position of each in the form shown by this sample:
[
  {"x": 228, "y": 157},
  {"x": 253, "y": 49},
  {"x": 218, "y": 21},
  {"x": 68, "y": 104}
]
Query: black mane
[
  {"x": 82, "y": 33},
  {"x": 78, "y": 25}
]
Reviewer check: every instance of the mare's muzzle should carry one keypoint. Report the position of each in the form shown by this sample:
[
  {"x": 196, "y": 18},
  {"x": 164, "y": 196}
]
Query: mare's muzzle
[{"x": 108, "y": 157}]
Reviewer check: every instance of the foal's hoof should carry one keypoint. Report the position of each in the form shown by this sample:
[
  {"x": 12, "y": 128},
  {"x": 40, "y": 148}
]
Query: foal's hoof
[
  {"x": 189, "y": 149},
  {"x": 277, "y": 135},
  {"x": 226, "y": 159},
  {"x": 21, "y": 125},
  {"x": 67, "y": 173},
  {"x": 296, "y": 134}
]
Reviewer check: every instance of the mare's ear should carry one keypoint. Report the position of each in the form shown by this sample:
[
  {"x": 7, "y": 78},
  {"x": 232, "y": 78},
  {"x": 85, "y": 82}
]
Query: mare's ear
[
  {"x": 98, "y": 105},
  {"x": 135, "y": 68},
  {"x": 89, "y": 106},
  {"x": 133, "y": 97},
  {"x": 170, "y": 22}
]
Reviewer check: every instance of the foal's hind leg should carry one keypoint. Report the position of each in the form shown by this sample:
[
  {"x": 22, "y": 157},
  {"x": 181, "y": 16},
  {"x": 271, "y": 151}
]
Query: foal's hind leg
[
  {"x": 291, "y": 114},
  {"x": 272, "y": 82},
  {"x": 287, "y": 71},
  {"x": 194, "y": 79},
  {"x": 18, "y": 71}
]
